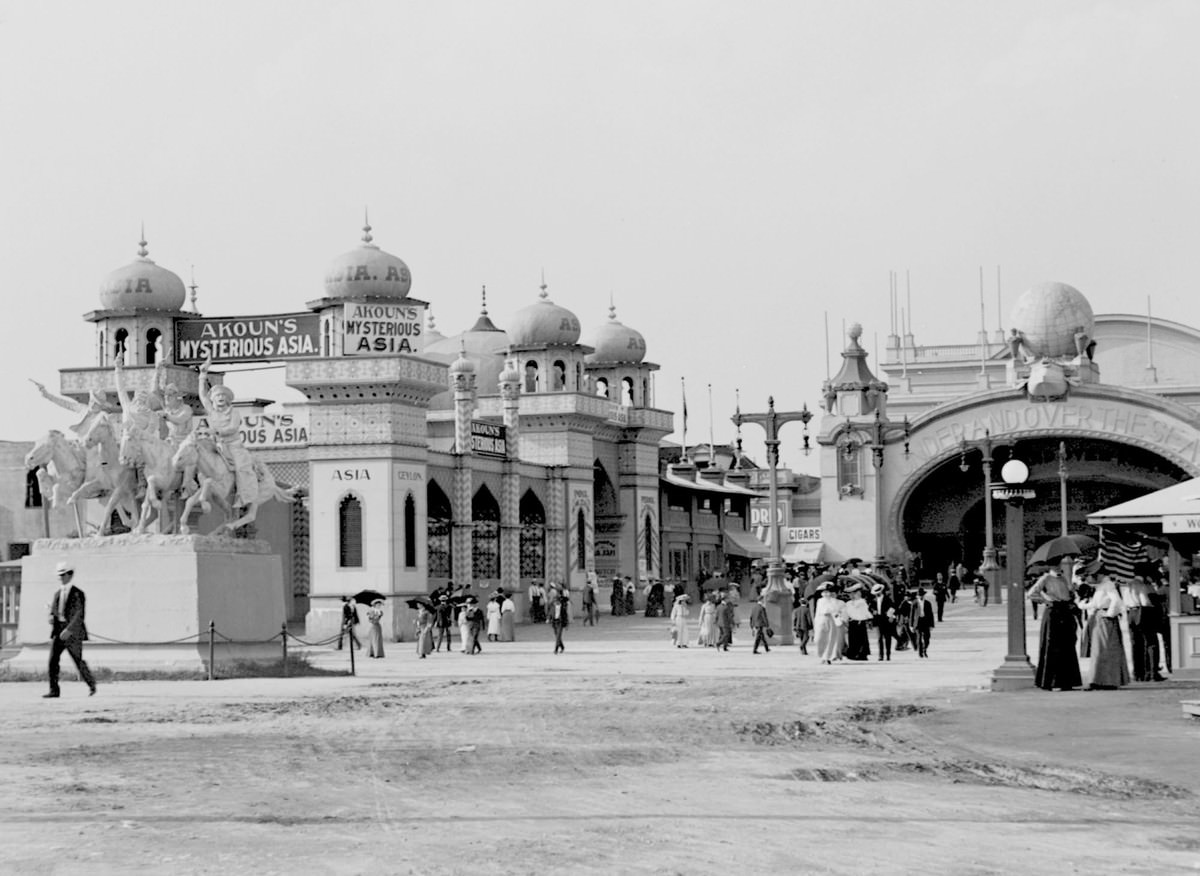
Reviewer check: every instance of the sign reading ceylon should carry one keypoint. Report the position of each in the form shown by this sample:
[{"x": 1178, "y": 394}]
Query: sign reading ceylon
[
  {"x": 382, "y": 329},
  {"x": 246, "y": 338}
]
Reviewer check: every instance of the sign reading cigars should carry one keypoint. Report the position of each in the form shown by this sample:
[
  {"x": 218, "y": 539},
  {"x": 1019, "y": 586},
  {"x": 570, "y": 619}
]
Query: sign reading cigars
[{"x": 246, "y": 338}]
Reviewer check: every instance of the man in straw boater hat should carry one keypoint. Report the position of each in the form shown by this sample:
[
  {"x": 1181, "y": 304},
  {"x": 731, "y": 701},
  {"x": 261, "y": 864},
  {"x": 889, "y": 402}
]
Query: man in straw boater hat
[
  {"x": 67, "y": 629},
  {"x": 883, "y": 615}
]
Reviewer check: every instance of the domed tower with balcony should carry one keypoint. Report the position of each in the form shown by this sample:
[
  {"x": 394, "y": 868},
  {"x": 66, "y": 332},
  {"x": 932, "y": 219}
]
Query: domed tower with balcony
[
  {"x": 544, "y": 347},
  {"x": 616, "y": 367},
  {"x": 139, "y": 303}
]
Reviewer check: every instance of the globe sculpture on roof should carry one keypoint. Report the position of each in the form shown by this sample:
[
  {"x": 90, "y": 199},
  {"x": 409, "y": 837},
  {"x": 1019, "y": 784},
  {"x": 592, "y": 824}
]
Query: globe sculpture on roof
[
  {"x": 1051, "y": 341},
  {"x": 1049, "y": 316}
]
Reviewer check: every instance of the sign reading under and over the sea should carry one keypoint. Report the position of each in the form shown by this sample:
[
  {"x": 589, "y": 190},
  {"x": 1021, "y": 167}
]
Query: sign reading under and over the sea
[
  {"x": 381, "y": 329},
  {"x": 246, "y": 338},
  {"x": 488, "y": 439}
]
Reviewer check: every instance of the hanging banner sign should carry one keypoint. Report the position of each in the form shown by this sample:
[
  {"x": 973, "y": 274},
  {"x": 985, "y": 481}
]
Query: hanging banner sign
[
  {"x": 246, "y": 338},
  {"x": 488, "y": 439},
  {"x": 261, "y": 431},
  {"x": 382, "y": 329}
]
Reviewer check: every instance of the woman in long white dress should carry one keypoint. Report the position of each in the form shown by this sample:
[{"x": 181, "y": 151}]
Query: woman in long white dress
[
  {"x": 828, "y": 621},
  {"x": 1109, "y": 669},
  {"x": 493, "y": 620},
  {"x": 708, "y": 624},
  {"x": 679, "y": 620}
]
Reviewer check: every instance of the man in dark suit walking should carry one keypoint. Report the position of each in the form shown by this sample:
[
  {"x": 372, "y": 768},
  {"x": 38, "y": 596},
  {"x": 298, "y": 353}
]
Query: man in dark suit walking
[
  {"x": 67, "y": 629},
  {"x": 758, "y": 623},
  {"x": 349, "y": 621},
  {"x": 883, "y": 615}
]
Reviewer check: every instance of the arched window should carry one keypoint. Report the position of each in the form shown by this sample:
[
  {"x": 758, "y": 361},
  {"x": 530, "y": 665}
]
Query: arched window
[
  {"x": 325, "y": 338},
  {"x": 103, "y": 349},
  {"x": 439, "y": 525},
  {"x": 646, "y": 400},
  {"x": 627, "y": 391},
  {"x": 581, "y": 541},
  {"x": 152, "y": 341},
  {"x": 578, "y": 377},
  {"x": 410, "y": 532},
  {"x": 531, "y": 377},
  {"x": 560, "y": 375},
  {"x": 602, "y": 387},
  {"x": 533, "y": 537},
  {"x": 350, "y": 533},
  {"x": 648, "y": 527},
  {"x": 485, "y": 535},
  {"x": 119, "y": 345}
]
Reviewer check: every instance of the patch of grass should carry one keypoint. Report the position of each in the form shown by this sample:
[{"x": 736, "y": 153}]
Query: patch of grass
[{"x": 297, "y": 666}]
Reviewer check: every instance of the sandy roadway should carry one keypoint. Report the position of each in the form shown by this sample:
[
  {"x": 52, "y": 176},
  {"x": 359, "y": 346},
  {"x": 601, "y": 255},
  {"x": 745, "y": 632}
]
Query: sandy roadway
[{"x": 624, "y": 755}]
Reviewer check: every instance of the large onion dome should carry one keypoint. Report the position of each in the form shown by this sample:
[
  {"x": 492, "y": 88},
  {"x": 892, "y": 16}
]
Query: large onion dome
[
  {"x": 367, "y": 272},
  {"x": 142, "y": 285},
  {"x": 615, "y": 343},
  {"x": 543, "y": 323}
]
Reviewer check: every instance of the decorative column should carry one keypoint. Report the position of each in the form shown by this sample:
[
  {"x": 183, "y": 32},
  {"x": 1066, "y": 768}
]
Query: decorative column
[
  {"x": 557, "y": 526},
  {"x": 510, "y": 485},
  {"x": 462, "y": 375}
]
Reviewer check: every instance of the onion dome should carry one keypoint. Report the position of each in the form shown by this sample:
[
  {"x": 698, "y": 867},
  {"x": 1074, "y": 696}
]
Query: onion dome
[
  {"x": 615, "y": 343},
  {"x": 462, "y": 365},
  {"x": 367, "y": 272},
  {"x": 543, "y": 323},
  {"x": 142, "y": 285},
  {"x": 1049, "y": 315}
]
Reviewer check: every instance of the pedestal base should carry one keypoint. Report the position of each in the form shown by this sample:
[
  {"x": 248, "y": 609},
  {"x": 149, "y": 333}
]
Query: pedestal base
[
  {"x": 150, "y": 599},
  {"x": 1013, "y": 674}
]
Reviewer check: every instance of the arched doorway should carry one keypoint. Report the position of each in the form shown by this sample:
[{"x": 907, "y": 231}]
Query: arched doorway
[{"x": 942, "y": 520}]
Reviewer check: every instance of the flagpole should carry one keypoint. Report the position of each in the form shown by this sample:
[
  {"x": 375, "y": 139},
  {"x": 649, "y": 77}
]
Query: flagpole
[
  {"x": 683, "y": 442},
  {"x": 712, "y": 448}
]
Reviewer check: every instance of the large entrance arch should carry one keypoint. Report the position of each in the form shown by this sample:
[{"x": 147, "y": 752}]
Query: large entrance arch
[{"x": 1118, "y": 444}]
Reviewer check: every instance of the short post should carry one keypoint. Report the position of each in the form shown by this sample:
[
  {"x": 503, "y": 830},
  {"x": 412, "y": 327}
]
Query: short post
[
  {"x": 212, "y": 644},
  {"x": 283, "y": 634},
  {"x": 351, "y": 650}
]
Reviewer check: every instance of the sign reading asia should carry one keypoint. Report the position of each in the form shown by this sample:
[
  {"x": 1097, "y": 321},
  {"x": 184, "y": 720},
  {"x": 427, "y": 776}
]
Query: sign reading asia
[
  {"x": 246, "y": 338},
  {"x": 374, "y": 329},
  {"x": 1114, "y": 420},
  {"x": 488, "y": 439}
]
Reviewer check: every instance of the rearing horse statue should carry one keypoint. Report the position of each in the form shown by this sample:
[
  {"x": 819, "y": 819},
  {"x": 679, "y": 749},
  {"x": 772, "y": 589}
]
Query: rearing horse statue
[
  {"x": 218, "y": 483},
  {"x": 106, "y": 476},
  {"x": 62, "y": 466},
  {"x": 153, "y": 454}
]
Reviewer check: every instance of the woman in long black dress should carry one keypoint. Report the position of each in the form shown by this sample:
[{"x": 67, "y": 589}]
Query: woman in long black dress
[{"x": 1057, "y": 664}]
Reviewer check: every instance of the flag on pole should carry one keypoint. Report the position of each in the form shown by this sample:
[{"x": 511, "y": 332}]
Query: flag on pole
[{"x": 1121, "y": 556}]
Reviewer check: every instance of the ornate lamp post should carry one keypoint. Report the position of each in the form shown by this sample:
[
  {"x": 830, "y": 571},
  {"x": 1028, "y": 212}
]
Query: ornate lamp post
[
  {"x": 989, "y": 565},
  {"x": 772, "y": 421},
  {"x": 1016, "y": 672},
  {"x": 1062, "y": 483}
]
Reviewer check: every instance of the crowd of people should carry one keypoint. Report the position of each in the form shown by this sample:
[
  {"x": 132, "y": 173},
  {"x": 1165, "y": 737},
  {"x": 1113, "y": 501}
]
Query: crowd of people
[{"x": 1119, "y": 624}]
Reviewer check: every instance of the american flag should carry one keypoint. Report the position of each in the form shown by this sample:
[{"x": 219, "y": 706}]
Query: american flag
[{"x": 1120, "y": 554}]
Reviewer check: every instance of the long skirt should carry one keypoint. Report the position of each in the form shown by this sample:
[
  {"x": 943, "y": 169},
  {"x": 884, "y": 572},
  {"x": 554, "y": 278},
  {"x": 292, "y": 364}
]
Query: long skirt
[
  {"x": 1058, "y": 665},
  {"x": 537, "y": 611},
  {"x": 858, "y": 642},
  {"x": 681, "y": 631},
  {"x": 507, "y": 627},
  {"x": 1087, "y": 636},
  {"x": 828, "y": 639},
  {"x": 375, "y": 642},
  {"x": 708, "y": 631},
  {"x": 425, "y": 640},
  {"x": 1108, "y": 654}
]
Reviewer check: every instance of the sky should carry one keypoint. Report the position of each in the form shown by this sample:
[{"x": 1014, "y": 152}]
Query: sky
[{"x": 732, "y": 176}]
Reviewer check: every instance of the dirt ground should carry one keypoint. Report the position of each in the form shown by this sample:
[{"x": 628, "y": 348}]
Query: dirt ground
[{"x": 624, "y": 755}]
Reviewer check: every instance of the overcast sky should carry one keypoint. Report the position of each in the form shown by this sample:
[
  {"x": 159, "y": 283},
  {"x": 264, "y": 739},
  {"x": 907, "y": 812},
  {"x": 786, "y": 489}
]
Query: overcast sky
[{"x": 729, "y": 173}]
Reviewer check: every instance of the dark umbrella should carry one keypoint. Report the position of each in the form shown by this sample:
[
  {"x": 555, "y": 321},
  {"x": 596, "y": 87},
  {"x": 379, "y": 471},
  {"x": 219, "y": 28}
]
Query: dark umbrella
[
  {"x": 1053, "y": 551},
  {"x": 366, "y": 597},
  {"x": 417, "y": 602}
]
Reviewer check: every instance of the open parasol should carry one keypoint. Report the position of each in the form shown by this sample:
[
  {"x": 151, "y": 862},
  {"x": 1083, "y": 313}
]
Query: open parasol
[
  {"x": 1053, "y": 551},
  {"x": 366, "y": 597}
]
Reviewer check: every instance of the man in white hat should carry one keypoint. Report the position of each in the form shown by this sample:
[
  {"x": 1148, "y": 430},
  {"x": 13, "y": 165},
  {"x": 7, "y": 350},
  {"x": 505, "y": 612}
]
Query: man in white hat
[{"x": 67, "y": 629}]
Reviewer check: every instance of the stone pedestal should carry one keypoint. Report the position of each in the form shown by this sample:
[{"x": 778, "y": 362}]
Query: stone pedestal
[{"x": 150, "y": 599}]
